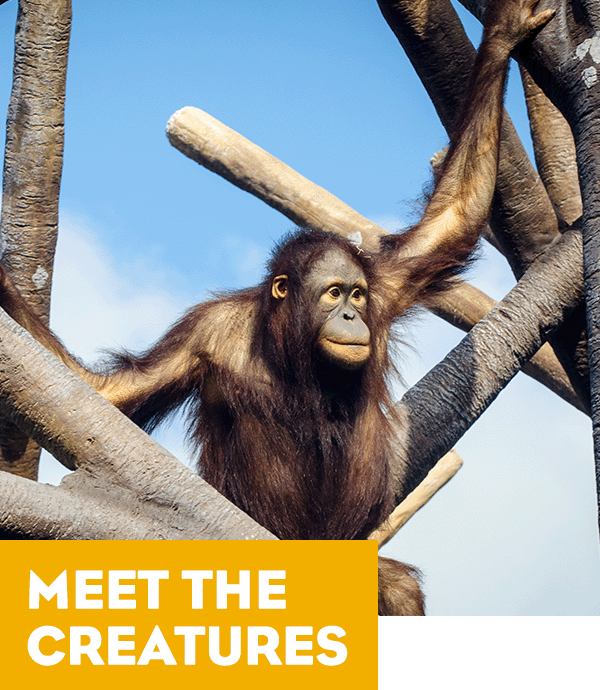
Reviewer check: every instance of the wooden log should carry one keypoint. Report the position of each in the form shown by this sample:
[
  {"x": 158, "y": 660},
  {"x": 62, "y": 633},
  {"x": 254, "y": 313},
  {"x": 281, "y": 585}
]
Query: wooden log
[
  {"x": 436, "y": 478},
  {"x": 227, "y": 153}
]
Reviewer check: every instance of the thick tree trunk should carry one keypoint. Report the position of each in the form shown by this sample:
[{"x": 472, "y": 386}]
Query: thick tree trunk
[
  {"x": 32, "y": 172},
  {"x": 522, "y": 216},
  {"x": 587, "y": 136},
  {"x": 562, "y": 61}
]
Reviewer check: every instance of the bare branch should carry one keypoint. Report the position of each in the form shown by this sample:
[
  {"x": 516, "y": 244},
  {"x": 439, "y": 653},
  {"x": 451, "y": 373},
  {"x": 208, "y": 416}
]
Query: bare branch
[
  {"x": 222, "y": 150},
  {"x": 435, "y": 42},
  {"x": 522, "y": 216},
  {"x": 34, "y": 148},
  {"x": 122, "y": 471},
  {"x": 437, "y": 477},
  {"x": 472, "y": 375},
  {"x": 554, "y": 150},
  {"x": 465, "y": 306},
  {"x": 562, "y": 62}
]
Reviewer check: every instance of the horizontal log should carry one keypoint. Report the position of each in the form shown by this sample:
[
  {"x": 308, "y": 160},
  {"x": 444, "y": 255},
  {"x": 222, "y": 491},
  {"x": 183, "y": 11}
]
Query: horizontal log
[{"x": 222, "y": 150}]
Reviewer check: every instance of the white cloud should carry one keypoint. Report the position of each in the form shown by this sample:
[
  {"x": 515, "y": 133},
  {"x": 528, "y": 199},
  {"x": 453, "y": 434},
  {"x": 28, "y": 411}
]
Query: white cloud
[{"x": 95, "y": 308}]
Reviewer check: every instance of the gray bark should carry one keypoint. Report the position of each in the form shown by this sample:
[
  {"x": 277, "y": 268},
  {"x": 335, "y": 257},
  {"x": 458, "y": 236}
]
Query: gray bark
[
  {"x": 464, "y": 311},
  {"x": 451, "y": 397},
  {"x": 561, "y": 63},
  {"x": 522, "y": 216},
  {"x": 32, "y": 173},
  {"x": 126, "y": 485},
  {"x": 554, "y": 149}
]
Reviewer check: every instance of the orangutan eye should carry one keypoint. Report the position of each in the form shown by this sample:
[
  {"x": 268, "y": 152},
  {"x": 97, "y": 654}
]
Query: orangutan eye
[
  {"x": 335, "y": 292},
  {"x": 357, "y": 294}
]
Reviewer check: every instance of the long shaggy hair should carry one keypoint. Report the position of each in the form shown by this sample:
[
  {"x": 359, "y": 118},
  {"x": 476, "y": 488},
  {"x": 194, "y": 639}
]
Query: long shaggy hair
[
  {"x": 302, "y": 446},
  {"x": 307, "y": 456}
]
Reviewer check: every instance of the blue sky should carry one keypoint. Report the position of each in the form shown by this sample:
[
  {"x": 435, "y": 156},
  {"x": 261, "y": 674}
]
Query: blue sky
[{"x": 145, "y": 233}]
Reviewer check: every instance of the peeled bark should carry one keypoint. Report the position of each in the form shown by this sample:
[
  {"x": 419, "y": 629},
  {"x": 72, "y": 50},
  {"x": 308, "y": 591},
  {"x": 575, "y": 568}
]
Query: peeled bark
[
  {"x": 220, "y": 149},
  {"x": 32, "y": 173}
]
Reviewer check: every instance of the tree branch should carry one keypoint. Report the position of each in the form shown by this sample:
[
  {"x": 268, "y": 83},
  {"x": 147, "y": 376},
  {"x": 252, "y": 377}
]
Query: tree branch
[
  {"x": 126, "y": 483},
  {"x": 451, "y": 397},
  {"x": 561, "y": 62},
  {"x": 554, "y": 150},
  {"x": 522, "y": 216},
  {"x": 465, "y": 306},
  {"x": 437, "y": 477}
]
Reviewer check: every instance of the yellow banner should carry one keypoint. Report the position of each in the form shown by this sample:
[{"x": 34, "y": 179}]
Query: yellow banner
[{"x": 247, "y": 614}]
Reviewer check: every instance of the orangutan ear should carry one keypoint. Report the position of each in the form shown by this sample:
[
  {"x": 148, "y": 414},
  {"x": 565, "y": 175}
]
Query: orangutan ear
[{"x": 279, "y": 288}]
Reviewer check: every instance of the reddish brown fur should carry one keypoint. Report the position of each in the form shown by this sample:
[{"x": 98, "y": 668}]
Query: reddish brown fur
[
  {"x": 399, "y": 589},
  {"x": 307, "y": 457},
  {"x": 306, "y": 451}
]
